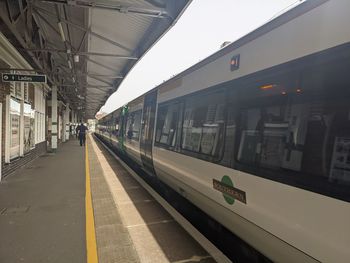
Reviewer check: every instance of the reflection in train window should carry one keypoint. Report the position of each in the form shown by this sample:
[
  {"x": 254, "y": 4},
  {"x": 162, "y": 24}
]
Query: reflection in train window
[
  {"x": 203, "y": 125},
  {"x": 133, "y": 125},
  {"x": 297, "y": 126},
  {"x": 231, "y": 129},
  {"x": 167, "y": 124}
]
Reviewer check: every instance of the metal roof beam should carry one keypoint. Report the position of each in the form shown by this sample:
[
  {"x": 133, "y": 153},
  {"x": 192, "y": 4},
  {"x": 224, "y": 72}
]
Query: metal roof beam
[
  {"x": 82, "y": 53},
  {"x": 82, "y": 28},
  {"x": 86, "y": 85},
  {"x": 100, "y": 64},
  {"x": 51, "y": 26},
  {"x": 116, "y": 6},
  {"x": 83, "y": 40},
  {"x": 94, "y": 77}
]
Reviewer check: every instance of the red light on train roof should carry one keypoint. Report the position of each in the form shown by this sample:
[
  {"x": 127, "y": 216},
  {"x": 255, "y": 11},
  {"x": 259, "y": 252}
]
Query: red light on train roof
[{"x": 234, "y": 62}]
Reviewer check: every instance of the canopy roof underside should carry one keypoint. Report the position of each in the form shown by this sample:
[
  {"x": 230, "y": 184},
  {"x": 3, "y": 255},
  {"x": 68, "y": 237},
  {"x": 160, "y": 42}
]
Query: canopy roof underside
[{"x": 85, "y": 47}]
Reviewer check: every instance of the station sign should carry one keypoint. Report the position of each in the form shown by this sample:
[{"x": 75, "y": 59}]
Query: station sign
[{"x": 23, "y": 78}]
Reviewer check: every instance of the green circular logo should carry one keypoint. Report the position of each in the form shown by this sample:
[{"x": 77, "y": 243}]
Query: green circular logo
[{"x": 227, "y": 181}]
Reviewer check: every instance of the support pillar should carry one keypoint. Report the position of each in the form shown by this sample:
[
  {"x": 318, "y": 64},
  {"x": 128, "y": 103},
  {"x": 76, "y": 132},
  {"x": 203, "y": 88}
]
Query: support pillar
[
  {"x": 21, "y": 123},
  {"x": 67, "y": 122},
  {"x": 54, "y": 118},
  {"x": 7, "y": 130},
  {"x": 74, "y": 120},
  {"x": 0, "y": 139},
  {"x": 64, "y": 121}
]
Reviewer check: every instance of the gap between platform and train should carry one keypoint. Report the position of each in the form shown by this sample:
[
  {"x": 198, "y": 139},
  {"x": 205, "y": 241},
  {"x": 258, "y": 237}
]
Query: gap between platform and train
[{"x": 91, "y": 248}]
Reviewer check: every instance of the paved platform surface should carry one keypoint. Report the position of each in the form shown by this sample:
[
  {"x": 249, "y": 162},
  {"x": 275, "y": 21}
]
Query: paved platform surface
[
  {"x": 140, "y": 230},
  {"x": 43, "y": 216},
  {"x": 42, "y": 209}
]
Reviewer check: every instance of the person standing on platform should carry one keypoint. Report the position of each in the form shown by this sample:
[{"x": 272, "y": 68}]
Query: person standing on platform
[{"x": 82, "y": 133}]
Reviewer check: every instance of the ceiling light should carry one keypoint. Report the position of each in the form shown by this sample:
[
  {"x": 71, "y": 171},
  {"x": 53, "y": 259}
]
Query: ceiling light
[
  {"x": 69, "y": 64},
  {"x": 61, "y": 31},
  {"x": 76, "y": 58}
]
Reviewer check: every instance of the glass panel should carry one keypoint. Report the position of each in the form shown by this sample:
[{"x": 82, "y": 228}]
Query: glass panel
[
  {"x": 295, "y": 127},
  {"x": 167, "y": 124},
  {"x": 203, "y": 124},
  {"x": 15, "y": 128},
  {"x": 231, "y": 129},
  {"x": 18, "y": 90},
  {"x": 133, "y": 125}
]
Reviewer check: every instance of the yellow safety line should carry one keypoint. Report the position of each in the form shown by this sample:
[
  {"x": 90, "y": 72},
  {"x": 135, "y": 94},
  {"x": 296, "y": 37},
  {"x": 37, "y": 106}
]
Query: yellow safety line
[{"x": 91, "y": 248}]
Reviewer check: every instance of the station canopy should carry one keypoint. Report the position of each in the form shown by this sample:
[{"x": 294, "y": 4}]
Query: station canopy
[{"x": 85, "y": 47}]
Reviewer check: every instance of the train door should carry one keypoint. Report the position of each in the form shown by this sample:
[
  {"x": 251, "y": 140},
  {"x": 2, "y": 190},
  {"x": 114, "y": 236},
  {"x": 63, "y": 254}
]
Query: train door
[{"x": 147, "y": 130}]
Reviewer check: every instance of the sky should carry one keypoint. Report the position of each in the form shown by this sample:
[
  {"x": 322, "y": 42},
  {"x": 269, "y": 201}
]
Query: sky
[{"x": 199, "y": 32}]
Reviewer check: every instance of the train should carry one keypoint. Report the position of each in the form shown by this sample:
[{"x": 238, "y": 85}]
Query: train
[{"x": 257, "y": 135}]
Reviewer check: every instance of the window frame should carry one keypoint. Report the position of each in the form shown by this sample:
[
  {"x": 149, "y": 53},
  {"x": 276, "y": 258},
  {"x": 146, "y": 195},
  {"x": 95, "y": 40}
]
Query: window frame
[
  {"x": 136, "y": 112},
  {"x": 338, "y": 191},
  {"x": 179, "y": 103},
  {"x": 221, "y": 88}
]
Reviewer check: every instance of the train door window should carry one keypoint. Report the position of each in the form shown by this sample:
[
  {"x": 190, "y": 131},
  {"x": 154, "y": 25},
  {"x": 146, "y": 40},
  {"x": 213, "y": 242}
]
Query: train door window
[
  {"x": 133, "y": 125},
  {"x": 167, "y": 120},
  {"x": 231, "y": 128},
  {"x": 203, "y": 126},
  {"x": 295, "y": 128}
]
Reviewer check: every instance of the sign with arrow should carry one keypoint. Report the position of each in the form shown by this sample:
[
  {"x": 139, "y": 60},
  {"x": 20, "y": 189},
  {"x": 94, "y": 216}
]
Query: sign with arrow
[{"x": 23, "y": 78}]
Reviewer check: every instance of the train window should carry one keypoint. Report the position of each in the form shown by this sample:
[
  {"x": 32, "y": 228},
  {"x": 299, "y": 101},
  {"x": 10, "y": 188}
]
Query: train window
[
  {"x": 114, "y": 125},
  {"x": 295, "y": 128},
  {"x": 203, "y": 126},
  {"x": 167, "y": 120},
  {"x": 133, "y": 125},
  {"x": 231, "y": 129}
]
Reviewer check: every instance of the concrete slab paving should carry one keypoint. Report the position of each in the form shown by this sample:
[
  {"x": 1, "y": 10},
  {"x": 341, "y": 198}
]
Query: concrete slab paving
[{"x": 45, "y": 204}]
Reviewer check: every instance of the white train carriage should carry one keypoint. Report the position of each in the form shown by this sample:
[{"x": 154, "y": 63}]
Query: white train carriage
[{"x": 258, "y": 135}]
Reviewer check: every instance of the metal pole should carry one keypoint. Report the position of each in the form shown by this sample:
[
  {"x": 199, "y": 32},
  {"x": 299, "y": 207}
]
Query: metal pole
[
  {"x": 67, "y": 123},
  {"x": 54, "y": 118}
]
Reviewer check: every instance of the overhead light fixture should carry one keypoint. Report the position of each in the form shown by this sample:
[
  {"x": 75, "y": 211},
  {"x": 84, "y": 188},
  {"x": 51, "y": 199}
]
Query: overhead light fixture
[
  {"x": 69, "y": 64},
  {"x": 68, "y": 51},
  {"x": 73, "y": 80},
  {"x": 76, "y": 58},
  {"x": 61, "y": 31}
]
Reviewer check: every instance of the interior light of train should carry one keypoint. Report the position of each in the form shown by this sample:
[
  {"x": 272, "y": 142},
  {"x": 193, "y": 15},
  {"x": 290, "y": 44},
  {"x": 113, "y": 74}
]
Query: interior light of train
[
  {"x": 298, "y": 90},
  {"x": 265, "y": 87},
  {"x": 284, "y": 93}
]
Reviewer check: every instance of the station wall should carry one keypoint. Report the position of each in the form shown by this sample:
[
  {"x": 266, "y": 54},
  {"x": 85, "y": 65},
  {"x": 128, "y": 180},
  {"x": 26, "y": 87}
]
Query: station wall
[{"x": 23, "y": 116}]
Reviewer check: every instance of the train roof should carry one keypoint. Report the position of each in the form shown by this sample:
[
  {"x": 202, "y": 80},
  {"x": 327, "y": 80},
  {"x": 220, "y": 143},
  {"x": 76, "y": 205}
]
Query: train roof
[{"x": 260, "y": 31}]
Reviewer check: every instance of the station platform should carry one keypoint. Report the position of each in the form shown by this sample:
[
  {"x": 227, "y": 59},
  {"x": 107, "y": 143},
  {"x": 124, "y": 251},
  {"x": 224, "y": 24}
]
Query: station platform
[{"x": 81, "y": 205}]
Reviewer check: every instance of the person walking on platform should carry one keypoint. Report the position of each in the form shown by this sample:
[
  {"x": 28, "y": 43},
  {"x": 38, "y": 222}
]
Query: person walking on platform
[{"x": 82, "y": 133}]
